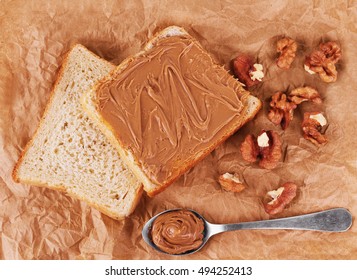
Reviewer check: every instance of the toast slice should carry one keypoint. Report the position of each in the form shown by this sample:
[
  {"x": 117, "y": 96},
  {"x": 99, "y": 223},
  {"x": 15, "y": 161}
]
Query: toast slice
[
  {"x": 163, "y": 116},
  {"x": 69, "y": 153}
]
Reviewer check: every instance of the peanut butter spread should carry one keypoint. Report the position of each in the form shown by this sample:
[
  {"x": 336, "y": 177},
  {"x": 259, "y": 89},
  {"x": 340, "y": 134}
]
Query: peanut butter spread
[
  {"x": 170, "y": 105},
  {"x": 177, "y": 232}
]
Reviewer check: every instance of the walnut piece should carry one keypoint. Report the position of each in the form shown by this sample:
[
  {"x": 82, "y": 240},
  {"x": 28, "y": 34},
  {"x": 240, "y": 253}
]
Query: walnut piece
[
  {"x": 302, "y": 94},
  {"x": 266, "y": 148},
  {"x": 282, "y": 106},
  {"x": 246, "y": 71},
  {"x": 280, "y": 198},
  {"x": 231, "y": 182},
  {"x": 286, "y": 47},
  {"x": 323, "y": 60},
  {"x": 332, "y": 51},
  {"x": 257, "y": 72},
  {"x": 249, "y": 148},
  {"x": 312, "y": 125},
  {"x": 282, "y": 110}
]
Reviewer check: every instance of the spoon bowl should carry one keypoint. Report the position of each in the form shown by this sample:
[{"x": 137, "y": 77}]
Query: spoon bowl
[
  {"x": 146, "y": 232},
  {"x": 332, "y": 220}
]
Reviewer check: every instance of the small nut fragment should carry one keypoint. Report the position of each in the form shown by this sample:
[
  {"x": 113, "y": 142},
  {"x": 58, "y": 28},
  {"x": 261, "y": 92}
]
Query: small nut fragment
[
  {"x": 320, "y": 118},
  {"x": 257, "y": 72},
  {"x": 246, "y": 71},
  {"x": 323, "y": 60},
  {"x": 280, "y": 198},
  {"x": 308, "y": 70},
  {"x": 282, "y": 110},
  {"x": 263, "y": 140},
  {"x": 267, "y": 149},
  {"x": 231, "y": 182},
  {"x": 286, "y": 47},
  {"x": 312, "y": 125},
  {"x": 302, "y": 94}
]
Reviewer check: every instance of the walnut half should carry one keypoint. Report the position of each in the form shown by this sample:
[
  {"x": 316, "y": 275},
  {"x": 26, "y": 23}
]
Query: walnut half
[
  {"x": 231, "y": 182},
  {"x": 286, "y": 47},
  {"x": 266, "y": 148},
  {"x": 280, "y": 198},
  {"x": 312, "y": 126},
  {"x": 247, "y": 72},
  {"x": 302, "y": 94},
  {"x": 323, "y": 60},
  {"x": 281, "y": 110}
]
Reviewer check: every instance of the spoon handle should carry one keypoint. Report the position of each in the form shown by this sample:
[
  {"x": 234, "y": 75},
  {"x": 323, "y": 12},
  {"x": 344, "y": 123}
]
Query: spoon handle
[{"x": 333, "y": 220}]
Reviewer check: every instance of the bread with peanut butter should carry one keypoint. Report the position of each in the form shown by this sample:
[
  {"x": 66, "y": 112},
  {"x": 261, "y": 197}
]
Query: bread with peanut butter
[
  {"x": 69, "y": 153},
  {"x": 168, "y": 107}
]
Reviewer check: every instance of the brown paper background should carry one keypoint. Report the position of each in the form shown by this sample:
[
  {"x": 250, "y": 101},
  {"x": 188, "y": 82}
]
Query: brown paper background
[{"x": 38, "y": 223}]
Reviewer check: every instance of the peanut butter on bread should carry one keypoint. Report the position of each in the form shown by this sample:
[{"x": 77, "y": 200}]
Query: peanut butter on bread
[{"x": 169, "y": 106}]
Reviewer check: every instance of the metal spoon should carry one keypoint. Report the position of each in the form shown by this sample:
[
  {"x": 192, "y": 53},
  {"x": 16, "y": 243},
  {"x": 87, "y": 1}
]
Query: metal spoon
[{"x": 333, "y": 220}]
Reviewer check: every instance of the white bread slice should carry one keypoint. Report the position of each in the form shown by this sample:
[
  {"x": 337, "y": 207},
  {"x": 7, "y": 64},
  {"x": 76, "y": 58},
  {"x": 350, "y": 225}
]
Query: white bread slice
[
  {"x": 90, "y": 104},
  {"x": 69, "y": 153}
]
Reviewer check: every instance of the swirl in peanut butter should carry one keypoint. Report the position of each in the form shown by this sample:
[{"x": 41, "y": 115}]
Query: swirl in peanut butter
[
  {"x": 170, "y": 105},
  {"x": 177, "y": 232}
]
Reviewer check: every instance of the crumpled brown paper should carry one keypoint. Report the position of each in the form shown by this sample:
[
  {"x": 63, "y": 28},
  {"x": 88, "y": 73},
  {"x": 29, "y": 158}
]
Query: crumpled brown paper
[{"x": 38, "y": 223}]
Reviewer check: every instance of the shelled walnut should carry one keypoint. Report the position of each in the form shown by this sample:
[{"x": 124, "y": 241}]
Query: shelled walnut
[
  {"x": 247, "y": 72},
  {"x": 231, "y": 182},
  {"x": 312, "y": 126},
  {"x": 266, "y": 148},
  {"x": 302, "y": 94},
  {"x": 281, "y": 110},
  {"x": 286, "y": 47},
  {"x": 323, "y": 61},
  {"x": 280, "y": 198},
  {"x": 282, "y": 106}
]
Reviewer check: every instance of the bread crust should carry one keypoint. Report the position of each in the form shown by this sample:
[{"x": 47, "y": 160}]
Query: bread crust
[
  {"x": 62, "y": 188},
  {"x": 100, "y": 208},
  {"x": 90, "y": 105}
]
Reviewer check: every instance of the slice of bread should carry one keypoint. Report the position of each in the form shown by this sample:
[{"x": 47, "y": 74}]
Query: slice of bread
[
  {"x": 69, "y": 153},
  {"x": 152, "y": 185}
]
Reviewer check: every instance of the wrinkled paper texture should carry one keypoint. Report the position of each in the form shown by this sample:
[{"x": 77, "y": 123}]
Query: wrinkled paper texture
[{"x": 39, "y": 223}]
